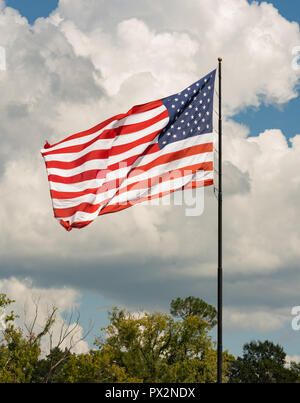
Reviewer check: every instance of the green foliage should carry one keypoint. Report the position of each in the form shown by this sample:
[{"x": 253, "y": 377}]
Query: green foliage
[
  {"x": 96, "y": 366},
  {"x": 48, "y": 369},
  {"x": 18, "y": 355},
  {"x": 142, "y": 347},
  {"x": 181, "y": 308},
  {"x": 263, "y": 362},
  {"x": 4, "y": 303},
  {"x": 156, "y": 348}
]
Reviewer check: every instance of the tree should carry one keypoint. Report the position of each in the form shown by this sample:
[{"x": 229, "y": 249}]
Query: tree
[
  {"x": 18, "y": 354},
  {"x": 48, "y": 369},
  {"x": 157, "y": 348},
  {"x": 263, "y": 362},
  {"x": 20, "y": 349},
  {"x": 181, "y": 308}
]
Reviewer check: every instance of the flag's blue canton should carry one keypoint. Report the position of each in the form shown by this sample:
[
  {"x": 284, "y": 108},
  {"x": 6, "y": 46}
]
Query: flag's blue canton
[{"x": 190, "y": 111}]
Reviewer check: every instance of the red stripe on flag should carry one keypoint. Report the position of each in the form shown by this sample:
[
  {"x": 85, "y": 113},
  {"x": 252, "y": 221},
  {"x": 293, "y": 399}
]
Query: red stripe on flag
[
  {"x": 78, "y": 224},
  {"x": 118, "y": 207},
  {"x": 136, "y": 109},
  {"x": 111, "y": 133},
  {"x": 92, "y": 155},
  {"x": 173, "y": 156},
  {"x": 83, "y": 176},
  {"x": 101, "y": 154}
]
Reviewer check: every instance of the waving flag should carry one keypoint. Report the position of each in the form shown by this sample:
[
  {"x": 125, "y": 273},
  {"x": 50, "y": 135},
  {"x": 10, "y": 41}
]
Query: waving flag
[{"x": 150, "y": 151}]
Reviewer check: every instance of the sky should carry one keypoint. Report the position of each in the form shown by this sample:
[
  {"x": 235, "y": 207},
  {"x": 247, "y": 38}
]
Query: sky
[{"x": 72, "y": 64}]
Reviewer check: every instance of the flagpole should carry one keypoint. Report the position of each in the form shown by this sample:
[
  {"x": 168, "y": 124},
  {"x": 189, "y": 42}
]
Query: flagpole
[{"x": 220, "y": 270}]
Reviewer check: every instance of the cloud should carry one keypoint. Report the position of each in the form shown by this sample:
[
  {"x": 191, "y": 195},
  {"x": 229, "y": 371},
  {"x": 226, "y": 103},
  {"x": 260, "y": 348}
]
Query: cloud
[
  {"x": 181, "y": 42},
  {"x": 293, "y": 358},
  {"x": 268, "y": 239},
  {"x": 42, "y": 74},
  {"x": 72, "y": 70},
  {"x": 258, "y": 189},
  {"x": 27, "y": 296},
  {"x": 258, "y": 320}
]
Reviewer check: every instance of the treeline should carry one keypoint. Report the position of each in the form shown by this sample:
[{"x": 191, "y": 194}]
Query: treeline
[{"x": 137, "y": 348}]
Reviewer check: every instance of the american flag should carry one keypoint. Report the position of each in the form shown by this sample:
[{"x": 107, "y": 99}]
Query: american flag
[{"x": 150, "y": 151}]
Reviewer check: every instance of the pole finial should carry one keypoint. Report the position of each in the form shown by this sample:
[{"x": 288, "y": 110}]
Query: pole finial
[{"x": 220, "y": 59}]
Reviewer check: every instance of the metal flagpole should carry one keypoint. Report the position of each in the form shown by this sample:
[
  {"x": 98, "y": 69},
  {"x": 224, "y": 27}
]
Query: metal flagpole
[{"x": 220, "y": 270}]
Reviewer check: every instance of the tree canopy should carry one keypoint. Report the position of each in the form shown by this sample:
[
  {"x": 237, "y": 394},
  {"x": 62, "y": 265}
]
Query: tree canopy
[
  {"x": 263, "y": 362},
  {"x": 137, "y": 347},
  {"x": 182, "y": 308}
]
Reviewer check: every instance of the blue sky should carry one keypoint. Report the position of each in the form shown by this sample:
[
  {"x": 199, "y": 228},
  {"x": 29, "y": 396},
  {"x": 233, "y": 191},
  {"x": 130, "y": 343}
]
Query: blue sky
[
  {"x": 32, "y": 9},
  {"x": 285, "y": 117}
]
